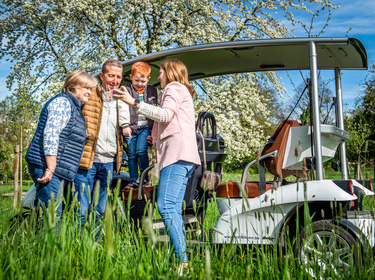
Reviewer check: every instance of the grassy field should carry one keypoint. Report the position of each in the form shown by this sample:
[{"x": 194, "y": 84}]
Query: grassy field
[{"x": 59, "y": 249}]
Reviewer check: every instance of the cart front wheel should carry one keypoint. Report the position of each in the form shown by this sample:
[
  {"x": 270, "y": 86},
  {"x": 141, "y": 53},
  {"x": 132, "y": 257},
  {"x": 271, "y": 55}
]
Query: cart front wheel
[{"x": 324, "y": 248}]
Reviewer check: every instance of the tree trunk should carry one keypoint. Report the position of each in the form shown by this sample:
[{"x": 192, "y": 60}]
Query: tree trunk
[
  {"x": 15, "y": 170},
  {"x": 358, "y": 170},
  {"x": 349, "y": 170},
  {"x": 20, "y": 157}
]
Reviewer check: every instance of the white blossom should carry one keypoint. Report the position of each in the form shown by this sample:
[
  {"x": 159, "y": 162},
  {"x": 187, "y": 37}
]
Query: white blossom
[{"x": 52, "y": 38}]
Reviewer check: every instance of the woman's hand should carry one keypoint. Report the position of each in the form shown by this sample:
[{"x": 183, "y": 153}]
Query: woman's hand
[
  {"x": 47, "y": 177},
  {"x": 51, "y": 166},
  {"x": 124, "y": 95}
]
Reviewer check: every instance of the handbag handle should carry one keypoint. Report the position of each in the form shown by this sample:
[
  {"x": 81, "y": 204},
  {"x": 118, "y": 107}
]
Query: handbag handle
[
  {"x": 204, "y": 151},
  {"x": 205, "y": 117}
]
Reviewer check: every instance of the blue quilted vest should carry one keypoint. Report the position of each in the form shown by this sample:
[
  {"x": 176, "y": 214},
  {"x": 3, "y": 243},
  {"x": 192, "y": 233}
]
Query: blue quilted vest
[{"x": 71, "y": 141}]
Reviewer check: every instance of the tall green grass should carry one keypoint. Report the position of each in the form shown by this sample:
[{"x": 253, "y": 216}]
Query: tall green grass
[
  {"x": 62, "y": 250},
  {"x": 45, "y": 247}
]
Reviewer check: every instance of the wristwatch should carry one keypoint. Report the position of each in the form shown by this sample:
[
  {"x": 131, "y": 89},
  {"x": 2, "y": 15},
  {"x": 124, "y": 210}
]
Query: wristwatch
[{"x": 136, "y": 102}]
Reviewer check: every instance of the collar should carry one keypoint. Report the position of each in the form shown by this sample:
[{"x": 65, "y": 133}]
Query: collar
[
  {"x": 144, "y": 90},
  {"x": 75, "y": 100}
]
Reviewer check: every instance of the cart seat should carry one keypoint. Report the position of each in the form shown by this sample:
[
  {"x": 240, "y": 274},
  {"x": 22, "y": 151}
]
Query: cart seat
[
  {"x": 275, "y": 164},
  {"x": 146, "y": 193},
  {"x": 231, "y": 189}
]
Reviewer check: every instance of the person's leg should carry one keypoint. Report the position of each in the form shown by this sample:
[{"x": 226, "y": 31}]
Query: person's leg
[
  {"x": 103, "y": 171},
  {"x": 43, "y": 191},
  {"x": 142, "y": 147},
  {"x": 181, "y": 194},
  {"x": 55, "y": 185},
  {"x": 83, "y": 188},
  {"x": 132, "y": 156},
  {"x": 172, "y": 186}
]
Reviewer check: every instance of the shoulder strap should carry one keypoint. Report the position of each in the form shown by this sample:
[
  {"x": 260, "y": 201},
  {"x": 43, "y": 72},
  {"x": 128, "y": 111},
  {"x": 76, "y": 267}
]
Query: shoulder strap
[
  {"x": 204, "y": 151},
  {"x": 218, "y": 144}
]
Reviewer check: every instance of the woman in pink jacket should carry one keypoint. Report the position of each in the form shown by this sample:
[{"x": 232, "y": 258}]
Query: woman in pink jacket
[{"x": 175, "y": 143}]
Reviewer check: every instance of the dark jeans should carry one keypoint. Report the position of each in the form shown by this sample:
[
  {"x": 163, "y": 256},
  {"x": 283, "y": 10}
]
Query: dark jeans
[
  {"x": 43, "y": 191},
  {"x": 136, "y": 149},
  {"x": 85, "y": 180}
]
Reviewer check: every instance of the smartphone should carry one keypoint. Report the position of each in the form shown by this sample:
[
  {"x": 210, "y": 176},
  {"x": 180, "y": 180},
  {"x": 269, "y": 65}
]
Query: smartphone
[
  {"x": 108, "y": 95},
  {"x": 112, "y": 92}
]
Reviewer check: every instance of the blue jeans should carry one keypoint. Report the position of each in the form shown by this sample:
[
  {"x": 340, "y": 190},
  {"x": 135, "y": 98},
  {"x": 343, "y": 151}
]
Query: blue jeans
[
  {"x": 86, "y": 179},
  {"x": 171, "y": 191},
  {"x": 43, "y": 191},
  {"x": 136, "y": 149}
]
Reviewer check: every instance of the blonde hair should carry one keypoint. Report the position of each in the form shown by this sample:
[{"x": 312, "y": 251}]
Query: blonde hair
[
  {"x": 77, "y": 79},
  {"x": 175, "y": 70}
]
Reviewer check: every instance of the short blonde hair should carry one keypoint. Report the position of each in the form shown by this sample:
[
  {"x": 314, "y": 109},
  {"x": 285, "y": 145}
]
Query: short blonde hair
[
  {"x": 77, "y": 79},
  {"x": 110, "y": 62},
  {"x": 175, "y": 70}
]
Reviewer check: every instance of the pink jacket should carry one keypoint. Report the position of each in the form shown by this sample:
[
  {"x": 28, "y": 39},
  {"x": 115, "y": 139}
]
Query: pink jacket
[{"x": 175, "y": 139}]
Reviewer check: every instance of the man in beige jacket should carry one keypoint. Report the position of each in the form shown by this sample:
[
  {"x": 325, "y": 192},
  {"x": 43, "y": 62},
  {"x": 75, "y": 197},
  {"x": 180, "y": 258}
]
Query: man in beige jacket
[{"x": 104, "y": 117}]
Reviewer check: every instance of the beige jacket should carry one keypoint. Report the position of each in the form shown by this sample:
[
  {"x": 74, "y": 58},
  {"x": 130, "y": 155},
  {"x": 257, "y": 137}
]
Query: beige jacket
[{"x": 93, "y": 114}]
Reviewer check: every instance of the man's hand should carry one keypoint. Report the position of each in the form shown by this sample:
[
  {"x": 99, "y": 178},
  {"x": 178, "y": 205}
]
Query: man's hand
[{"x": 127, "y": 132}]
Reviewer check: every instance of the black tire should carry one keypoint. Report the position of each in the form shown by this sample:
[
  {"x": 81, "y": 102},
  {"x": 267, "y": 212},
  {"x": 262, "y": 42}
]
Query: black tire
[
  {"x": 201, "y": 198},
  {"x": 328, "y": 246},
  {"x": 18, "y": 222}
]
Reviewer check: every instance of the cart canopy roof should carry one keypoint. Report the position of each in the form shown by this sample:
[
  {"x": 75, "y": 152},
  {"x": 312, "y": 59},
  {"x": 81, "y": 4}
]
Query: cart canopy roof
[{"x": 222, "y": 58}]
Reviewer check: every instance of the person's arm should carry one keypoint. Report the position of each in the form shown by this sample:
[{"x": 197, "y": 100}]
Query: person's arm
[
  {"x": 133, "y": 124},
  {"x": 59, "y": 112},
  {"x": 124, "y": 118},
  {"x": 172, "y": 101},
  {"x": 152, "y": 112}
]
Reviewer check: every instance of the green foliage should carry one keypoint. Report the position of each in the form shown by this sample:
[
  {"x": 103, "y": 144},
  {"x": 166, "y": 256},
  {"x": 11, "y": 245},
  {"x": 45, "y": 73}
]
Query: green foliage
[
  {"x": 6, "y": 160},
  {"x": 361, "y": 125},
  {"x": 359, "y": 130},
  {"x": 366, "y": 102},
  {"x": 18, "y": 117}
]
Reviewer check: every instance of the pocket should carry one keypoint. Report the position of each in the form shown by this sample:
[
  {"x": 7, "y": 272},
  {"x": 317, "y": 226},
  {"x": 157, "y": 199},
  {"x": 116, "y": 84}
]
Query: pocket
[{"x": 169, "y": 131}]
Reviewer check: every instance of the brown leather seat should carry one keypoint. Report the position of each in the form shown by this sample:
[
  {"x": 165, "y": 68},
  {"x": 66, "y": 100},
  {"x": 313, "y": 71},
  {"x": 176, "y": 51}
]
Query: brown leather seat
[
  {"x": 274, "y": 165},
  {"x": 231, "y": 189},
  {"x": 146, "y": 193}
]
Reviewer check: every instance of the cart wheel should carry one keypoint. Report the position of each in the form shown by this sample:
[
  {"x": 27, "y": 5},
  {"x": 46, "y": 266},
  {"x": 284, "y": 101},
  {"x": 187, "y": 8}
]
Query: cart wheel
[
  {"x": 324, "y": 248},
  {"x": 18, "y": 222},
  {"x": 201, "y": 198}
]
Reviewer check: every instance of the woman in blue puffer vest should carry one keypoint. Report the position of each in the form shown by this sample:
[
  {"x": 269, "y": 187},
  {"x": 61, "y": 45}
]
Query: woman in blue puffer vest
[{"x": 56, "y": 149}]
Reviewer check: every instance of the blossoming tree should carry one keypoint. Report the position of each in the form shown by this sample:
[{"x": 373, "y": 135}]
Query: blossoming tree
[{"x": 51, "y": 38}]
